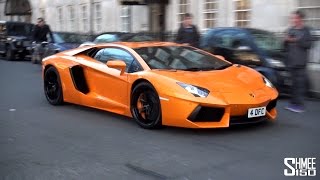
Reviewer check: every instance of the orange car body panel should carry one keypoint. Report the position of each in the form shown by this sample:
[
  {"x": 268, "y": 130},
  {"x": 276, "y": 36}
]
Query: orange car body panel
[{"x": 110, "y": 90}]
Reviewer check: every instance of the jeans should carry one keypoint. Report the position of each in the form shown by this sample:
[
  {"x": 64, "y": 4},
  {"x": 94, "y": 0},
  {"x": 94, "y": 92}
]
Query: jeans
[{"x": 299, "y": 83}]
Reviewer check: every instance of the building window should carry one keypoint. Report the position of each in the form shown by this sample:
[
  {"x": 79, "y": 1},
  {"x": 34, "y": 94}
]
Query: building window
[
  {"x": 210, "y": 13},
  {"x": 125, "y": 19},
  {"x": 311, "y": 8},
  {"x": 242, "y": 13},
  {"x": 84, "y": 18},
  {"x": 184, "y": 7},
  {"x": 71, "y": 18},
  {"x": 97, "y": 17},
  {"x": 60, "y": 18}
]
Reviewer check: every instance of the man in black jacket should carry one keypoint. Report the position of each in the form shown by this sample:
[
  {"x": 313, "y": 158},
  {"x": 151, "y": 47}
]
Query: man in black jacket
[
  {"x": 41, "y": 30},
  {"x": 39, "y": 35},
  {"x": 188, "y": 32},
  {"x": 298, "y": 42}
]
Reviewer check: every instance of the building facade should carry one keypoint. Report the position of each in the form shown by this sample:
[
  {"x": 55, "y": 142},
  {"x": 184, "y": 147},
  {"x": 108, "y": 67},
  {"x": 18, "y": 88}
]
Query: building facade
[{"x": 95, "y": 16}]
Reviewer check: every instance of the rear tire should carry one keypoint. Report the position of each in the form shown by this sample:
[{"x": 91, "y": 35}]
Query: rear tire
[
  {"x": 52, "y": 86},
  {"x": 145, "y": 106}
]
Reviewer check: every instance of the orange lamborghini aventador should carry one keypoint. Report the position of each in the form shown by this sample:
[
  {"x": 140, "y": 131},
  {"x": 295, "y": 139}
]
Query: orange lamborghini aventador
[{"x": 160, "y": 83}]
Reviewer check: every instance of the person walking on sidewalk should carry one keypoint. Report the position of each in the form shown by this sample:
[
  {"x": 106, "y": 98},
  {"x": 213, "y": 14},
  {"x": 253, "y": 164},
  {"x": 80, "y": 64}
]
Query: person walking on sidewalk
[
  {"x": 297, "y": 44},
  {"x": 188, "y": 33}
]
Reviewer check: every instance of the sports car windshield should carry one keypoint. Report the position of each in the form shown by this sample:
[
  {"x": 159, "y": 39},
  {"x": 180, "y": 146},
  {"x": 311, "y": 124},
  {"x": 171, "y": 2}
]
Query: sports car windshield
[{"x": 180, "y": 58}]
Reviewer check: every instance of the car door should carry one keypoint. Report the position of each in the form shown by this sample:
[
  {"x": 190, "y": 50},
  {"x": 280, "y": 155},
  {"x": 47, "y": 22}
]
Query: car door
[
  {"x": 2, "y": 37},
  {"x": 110, "y": 86}
]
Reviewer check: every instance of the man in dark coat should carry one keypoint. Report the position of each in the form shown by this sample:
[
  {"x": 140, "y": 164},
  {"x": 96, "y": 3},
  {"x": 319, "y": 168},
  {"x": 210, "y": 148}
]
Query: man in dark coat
[
  {"x": 40, "y": 31},
  {"x": 188, "y": 32},
  {"x": 39, "y": 35},
  {"x": 298, "y": 42}
]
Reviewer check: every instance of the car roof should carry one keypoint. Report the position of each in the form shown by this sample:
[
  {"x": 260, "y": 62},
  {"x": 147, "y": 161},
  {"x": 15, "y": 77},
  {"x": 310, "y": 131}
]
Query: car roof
[
  {"x": 134, "y": 45},
  {"x": 14, "y": 22},
  {"x": 236, "y": 28}
]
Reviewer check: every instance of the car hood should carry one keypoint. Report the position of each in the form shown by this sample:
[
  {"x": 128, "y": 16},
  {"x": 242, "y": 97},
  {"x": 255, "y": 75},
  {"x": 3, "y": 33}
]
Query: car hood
[{"x": 227, "y": 80}]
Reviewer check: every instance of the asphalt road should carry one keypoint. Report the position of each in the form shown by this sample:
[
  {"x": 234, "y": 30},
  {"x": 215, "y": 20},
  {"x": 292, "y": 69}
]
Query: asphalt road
[{"x": 41, "y": 141}]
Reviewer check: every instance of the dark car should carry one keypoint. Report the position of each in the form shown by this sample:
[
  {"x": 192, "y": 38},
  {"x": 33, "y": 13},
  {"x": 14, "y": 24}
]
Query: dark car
[
  {"x": 15, "y": 39},
  {"x": 259, "y": 49},
  {"x": 62, "y": 41},
  {"x": 65, "y": 41},
  {"x": 110, "y": 37}
]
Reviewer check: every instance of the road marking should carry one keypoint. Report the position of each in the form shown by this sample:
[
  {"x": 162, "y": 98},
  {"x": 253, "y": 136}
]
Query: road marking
[{"x": 12, "y": 110}]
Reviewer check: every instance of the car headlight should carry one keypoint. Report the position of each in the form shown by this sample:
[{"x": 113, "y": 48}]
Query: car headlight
[
  {"x": 267, "y": 82},
  {"x": 276, "y": 63},
  {"x": 195, "y": 90}
]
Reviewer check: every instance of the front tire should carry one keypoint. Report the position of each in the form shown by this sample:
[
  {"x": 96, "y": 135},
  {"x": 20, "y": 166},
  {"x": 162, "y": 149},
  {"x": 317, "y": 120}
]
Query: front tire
[
  {"x": 52, "y": 86},
  {"x": 145, "y": 106},
  {"x": 9, "y": 54}
]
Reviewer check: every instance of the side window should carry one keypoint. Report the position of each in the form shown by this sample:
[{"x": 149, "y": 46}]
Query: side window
[
  {"x": 231, "y": 38},
  {"x": 107, "y": 54}
]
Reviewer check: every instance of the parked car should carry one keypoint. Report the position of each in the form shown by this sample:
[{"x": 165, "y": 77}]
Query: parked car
[
  {"x": 110, "y": 37},
  {"x": 15, "y": 39},
  {"x": 62, "y": 41},
  {"x": 256, "y": 48}
]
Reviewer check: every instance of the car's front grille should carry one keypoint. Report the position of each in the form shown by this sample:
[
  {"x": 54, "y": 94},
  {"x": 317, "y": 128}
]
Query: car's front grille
[
  {"x": 206, "y": 114},
  {"x": 26, "y": 43}
]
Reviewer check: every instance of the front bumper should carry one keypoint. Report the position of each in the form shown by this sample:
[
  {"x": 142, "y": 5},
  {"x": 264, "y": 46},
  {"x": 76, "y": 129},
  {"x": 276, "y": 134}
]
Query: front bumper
[{"x": 191, "y": 114}]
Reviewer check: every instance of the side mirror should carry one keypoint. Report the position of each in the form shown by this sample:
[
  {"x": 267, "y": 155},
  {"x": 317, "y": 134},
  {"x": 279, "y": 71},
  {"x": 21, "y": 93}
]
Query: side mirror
[{"x": 117, "y": 64}]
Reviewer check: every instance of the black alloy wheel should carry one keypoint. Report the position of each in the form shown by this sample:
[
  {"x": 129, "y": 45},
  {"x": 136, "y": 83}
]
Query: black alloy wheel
[
  {"x": 145, "y": 106},
  {"x": 52, "y": 86}
]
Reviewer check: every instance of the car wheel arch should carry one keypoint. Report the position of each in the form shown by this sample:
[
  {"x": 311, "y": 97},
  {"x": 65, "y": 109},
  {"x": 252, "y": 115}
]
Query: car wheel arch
[
  {"x": 136, "y": 90},
  {"x": 138, "y": 81},
  {"x": 56, "y": 85},
  {"x": 46, "y": 68}
]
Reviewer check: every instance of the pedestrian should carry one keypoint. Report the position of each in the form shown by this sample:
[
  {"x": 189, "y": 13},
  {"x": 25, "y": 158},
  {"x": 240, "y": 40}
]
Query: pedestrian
[
  {"x": 39, "y": 35},
  {"x": 297, "y": 43},
  {"x": 188, "y": 33},
  {"x": 41, "y": 30}
]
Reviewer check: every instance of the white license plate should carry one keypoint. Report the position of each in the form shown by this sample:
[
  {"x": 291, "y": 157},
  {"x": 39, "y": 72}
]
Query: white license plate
[{"x": 256, "y": 112}]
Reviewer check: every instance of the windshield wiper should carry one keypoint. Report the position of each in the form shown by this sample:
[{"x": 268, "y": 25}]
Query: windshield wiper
[{"x": 192, "y": 69}]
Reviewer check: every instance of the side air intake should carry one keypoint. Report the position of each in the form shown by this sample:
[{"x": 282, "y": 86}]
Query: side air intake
[{"x": 78, "y": 78}]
